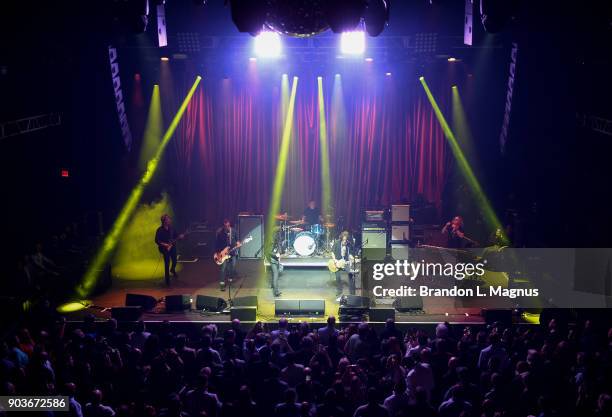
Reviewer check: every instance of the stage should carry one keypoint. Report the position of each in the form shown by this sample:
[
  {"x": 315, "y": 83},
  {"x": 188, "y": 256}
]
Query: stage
[{"x": 299, "y": 280}]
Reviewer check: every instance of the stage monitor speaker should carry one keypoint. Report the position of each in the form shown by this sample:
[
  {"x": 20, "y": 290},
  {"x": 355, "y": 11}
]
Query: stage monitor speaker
[
  {"x": 406, "y": 304},
  {"x": 299, "y": 307},
  {"x": 147, "y": 302},
  {"x": 400, "y": 232},
  {"x": 251, "y": 225},
  {"x": 286, "y": 307},
  {"x": 130, "y": 313},
  {"x": 248, "y": 301},
  {"x": 400, "y": 251},
  {"x": 312, "y": 307},
  {"x": 381, "y": 314},
  {"x": 178, "y": 302},
  {"x": 493, "y": 316},
  {"x": 208, "y": 303},
  {"x": 400, "y": 213},
  {"x": 355, "y": 301},
  {"x": 244, "y": 313}
]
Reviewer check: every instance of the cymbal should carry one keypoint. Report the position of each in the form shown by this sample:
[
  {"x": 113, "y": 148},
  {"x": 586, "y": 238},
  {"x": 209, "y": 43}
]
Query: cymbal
[
  {"x": 329, "y": 225},
  {"x": 296, "y": 229},
  {"x": 282, "y": 216},
  {"x": 296, "y": 222}
]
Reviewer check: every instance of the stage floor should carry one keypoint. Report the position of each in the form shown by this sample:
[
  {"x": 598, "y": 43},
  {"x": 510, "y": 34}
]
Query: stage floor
[{"x": 202, "y": 277}]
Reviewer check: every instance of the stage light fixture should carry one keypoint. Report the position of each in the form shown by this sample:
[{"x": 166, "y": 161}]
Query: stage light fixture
[
  {"x": 494, "y": 14},
  {"x": 253, "y": 59},
  {"x": 268, "y": 45},
  {"x": 376, "y": 16},
  {"x": 248, "y": 15},
  {"x": 452, "y": 59},
  {"x": 352, "y": 43},
  {"x": 165, "y": 58},
  {"x": 388, "y": 74},
  {"x": 368, "y": 59}
]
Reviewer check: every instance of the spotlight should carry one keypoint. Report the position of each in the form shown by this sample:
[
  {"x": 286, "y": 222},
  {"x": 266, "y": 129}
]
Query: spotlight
[
  {"x": 268, "y": 44},
  {"x": 454, "y": 87},
  {"x": 452, "y": 59},
  {"x": 165, "y": 58},
  {"x": 388, "y": 74},
  {"x": 368, "y": 59},
  {"x": 421, "y": 78},
  {"x": 253, "y": 59},
  {"x": 352, "y": 43}
]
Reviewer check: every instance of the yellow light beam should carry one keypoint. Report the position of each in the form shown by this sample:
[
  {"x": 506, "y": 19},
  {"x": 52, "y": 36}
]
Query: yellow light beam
[
  {"x": 325, "y": 173},
  {"x": 489, "y": 214},
  {"x": 153, "y": 130},
  {"x": 88, "y": 281},
  {"x": 281, "y": 166}
]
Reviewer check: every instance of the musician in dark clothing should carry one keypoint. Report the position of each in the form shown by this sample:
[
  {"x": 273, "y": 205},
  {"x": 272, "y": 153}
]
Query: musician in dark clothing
[
  {"x": 312, "y": 214},
  {"x": 165, "y": 239},
  {"x": 226, "y": 237},
  {"x": 455, "y": 236},
  {"x": 342, "y": 253},
  {"x": 275, "y": 266}
]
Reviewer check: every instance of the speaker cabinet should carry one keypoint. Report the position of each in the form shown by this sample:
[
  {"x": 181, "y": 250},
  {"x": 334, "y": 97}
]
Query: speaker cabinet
[
  {"x": 248, "y": 301},
  {"x": 374, "y": 244},
  {"x": 130, "y": 313},
  {"x": 400, "y": 251},
  {"x": 147, "y": 302},
  {"x": 251, "y": 226},
  {"x": 381, "y": 314},
  {"x": 208, "y": 303},
  {"x": 312, "y": 307},
  {"x": 299, "y": 307},
  {"x": 408, "y": 304},
  {"x": 178, "y": 302},
  {"x": 400, "y": 213},
  {"x": 400, "y": 233},
  {"x": 286, "y": 307},
  {"x": 355, "y": 301},
  {"x": 244, "y": 313}
]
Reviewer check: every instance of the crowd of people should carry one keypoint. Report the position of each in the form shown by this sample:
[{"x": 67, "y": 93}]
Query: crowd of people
[
  {"x": 45, "y": 267},
  {"x": 303, "y": 370}
]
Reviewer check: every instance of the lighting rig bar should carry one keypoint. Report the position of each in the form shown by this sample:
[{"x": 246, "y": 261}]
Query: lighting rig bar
[{"x": 29, "y": 124}]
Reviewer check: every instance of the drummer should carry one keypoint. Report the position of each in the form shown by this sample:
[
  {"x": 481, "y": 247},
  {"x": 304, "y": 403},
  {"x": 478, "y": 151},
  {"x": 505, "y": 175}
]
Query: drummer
[{"x": 312, "y": 214}]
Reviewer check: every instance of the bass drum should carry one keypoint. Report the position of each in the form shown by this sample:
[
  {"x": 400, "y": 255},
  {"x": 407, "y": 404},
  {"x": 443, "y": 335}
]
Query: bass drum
[{"x": 305, "y": 244}]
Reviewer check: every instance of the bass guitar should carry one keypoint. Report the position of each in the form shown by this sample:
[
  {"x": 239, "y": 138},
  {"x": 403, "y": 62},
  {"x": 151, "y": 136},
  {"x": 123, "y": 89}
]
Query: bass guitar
[{"x": 227, "y": 252}]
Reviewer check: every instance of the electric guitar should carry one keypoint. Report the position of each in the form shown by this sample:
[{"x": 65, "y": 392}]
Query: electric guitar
[
  {"x": 226, "y": 253},
  {"x": 336, "y": 265},
  {"x": 165, "y": 247}
]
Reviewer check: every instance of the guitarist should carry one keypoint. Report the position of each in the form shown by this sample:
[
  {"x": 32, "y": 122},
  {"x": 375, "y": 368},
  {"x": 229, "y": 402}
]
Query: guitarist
[
  {"x": 165, "y": 238},
  {"x": 342, "y": 254},
  {"x": 226, "y": 237}
]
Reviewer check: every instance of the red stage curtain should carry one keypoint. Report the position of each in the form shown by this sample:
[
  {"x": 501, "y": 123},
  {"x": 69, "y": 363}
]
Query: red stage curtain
[{"x": 386, "y": 146}]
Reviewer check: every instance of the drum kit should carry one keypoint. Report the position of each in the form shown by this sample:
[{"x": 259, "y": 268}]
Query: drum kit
[{"x": 296, "y": 237}]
